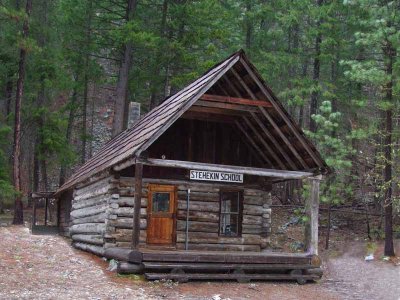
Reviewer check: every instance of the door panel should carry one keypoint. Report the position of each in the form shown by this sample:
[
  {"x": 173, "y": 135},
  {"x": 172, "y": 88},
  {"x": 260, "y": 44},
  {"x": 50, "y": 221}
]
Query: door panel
[{"x": 161, "y": 214}]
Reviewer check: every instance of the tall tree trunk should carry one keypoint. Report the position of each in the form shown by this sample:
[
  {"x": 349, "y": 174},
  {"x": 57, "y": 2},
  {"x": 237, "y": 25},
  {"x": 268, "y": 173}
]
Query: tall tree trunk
[
  {"x": 40, "y": 166},
  {"x": 316, "y": 73},
  {"x": 154, "y": 83},
  {"x": 301, "y": 110},
  {"x": 86, "y": 82},
  {"x": 390, "y": 53},
  {"x": 8, "y": 94},
  {"x": 68, "y": 133},
  {"x": 121, "y": 99},
  {"x": 18, "y": 207},
  {"x": 249, "y": 27}
]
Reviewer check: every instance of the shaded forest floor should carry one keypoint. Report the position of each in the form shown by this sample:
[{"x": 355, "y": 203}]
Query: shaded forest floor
[{"x": 47, "y": 267}]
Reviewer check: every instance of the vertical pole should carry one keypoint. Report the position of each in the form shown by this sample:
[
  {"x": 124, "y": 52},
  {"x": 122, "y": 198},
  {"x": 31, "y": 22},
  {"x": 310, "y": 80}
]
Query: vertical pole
[
  {"x": 45, "y": 210},
  {"x": 312, "y": 210},
  {"x": 34, "y": 212},
  {"x": 58, "y": 210},
  {"x": 136, "y": 207},
  {"x": 187, "y": 220}
]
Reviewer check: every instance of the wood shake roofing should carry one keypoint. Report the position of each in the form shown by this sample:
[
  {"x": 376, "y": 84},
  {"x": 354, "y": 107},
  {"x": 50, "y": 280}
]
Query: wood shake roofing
[{"x": 133, "y": 141}]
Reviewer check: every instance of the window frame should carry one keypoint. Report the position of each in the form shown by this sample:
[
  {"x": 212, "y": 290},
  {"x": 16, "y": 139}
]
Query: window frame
[{"x": 239, "y": 214}]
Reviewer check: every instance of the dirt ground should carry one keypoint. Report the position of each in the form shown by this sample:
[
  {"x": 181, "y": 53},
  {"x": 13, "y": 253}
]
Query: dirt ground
[{"x": 47, "y": 267}]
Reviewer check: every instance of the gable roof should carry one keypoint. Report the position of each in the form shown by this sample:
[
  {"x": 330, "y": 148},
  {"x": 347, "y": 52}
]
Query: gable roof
[{"x": 132, "y": 142}]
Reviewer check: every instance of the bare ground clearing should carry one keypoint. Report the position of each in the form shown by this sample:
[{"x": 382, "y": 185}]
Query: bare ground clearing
[{"x": 47, "y": 267}]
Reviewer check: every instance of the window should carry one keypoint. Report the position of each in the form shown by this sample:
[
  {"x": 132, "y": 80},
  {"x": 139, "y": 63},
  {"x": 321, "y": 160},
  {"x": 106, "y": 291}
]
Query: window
[
  {"x": 160, "y": 202},
  {"x": 230, "y": 213}
]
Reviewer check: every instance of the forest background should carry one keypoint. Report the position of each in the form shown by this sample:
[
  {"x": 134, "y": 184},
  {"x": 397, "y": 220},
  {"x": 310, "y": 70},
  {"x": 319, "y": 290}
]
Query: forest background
[{"x": 333, "y": 64}]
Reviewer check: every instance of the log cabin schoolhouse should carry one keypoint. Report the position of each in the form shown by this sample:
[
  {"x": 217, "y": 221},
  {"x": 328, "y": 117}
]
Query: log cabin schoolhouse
[{"x": 185, "y": 192}]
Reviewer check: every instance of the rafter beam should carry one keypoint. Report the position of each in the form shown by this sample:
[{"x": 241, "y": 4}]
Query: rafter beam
[
  {"x": 271, "y": 121},
  {"x": 235, "y": 100},
  {"x": 265, "y": 144},
  {"x": 251, "y": 141},
  {"x": 284, "y": 174},
  {"x": 244, "y": 85},
  {"x": 228, "y": 106},
  {"x": 231, "y": 85},
  {"x": 216, "y": 110},
  {"x": 299, "y": 136},
  {"x": 283, "y": 137},
  {"x": 274, "y": 141}
]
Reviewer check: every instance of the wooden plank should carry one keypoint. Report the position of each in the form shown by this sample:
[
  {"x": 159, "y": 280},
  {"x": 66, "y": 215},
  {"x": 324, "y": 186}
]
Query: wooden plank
[
  {"x": 232, "y": 86},
  {"x": 216, "y": 111},
  {"x": 253, "y": 144},
  {"x": 225, "y": 257},
  {"x": 219, "y": 266},
  {"x": 225, "y": 168},
  {"x": 265, "y": 144},
  {"x": 220, "y": 247},
  {"x": 295, "y": 130},
  {"x": 136, "y": 208},
  {"x": 274, "y": 141},
  {"x": 235, "y": 100},
  {"x": 227, "y": 106},
  {"x": 244, "y": 85}
]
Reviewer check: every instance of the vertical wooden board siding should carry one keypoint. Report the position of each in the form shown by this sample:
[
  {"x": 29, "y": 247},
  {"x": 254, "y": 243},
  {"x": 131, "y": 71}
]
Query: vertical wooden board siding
[
  {"x": 203, "y": 216},
  {"x": 65, "y": 203}
]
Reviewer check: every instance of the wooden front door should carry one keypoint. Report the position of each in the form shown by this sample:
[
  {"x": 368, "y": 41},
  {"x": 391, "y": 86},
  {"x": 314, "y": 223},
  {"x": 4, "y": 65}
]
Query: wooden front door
[{"x": 161, "y": 214}]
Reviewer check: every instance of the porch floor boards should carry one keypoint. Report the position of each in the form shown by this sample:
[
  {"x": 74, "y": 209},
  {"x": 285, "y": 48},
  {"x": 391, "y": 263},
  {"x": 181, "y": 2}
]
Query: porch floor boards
[{"x": 154, "y": 255}]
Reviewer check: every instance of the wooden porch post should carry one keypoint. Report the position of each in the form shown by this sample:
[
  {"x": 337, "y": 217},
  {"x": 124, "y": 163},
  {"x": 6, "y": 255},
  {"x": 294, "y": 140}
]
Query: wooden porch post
[
  {"x": 136, "y": 207},
  {"x": 312, "y": 210}
]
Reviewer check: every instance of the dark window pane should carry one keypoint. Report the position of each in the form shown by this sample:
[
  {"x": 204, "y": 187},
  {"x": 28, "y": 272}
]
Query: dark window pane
[
  {"x": 230, "y": 202},
  {"x": 160, "y": 202},
  {"x": 229, "y": 225}
]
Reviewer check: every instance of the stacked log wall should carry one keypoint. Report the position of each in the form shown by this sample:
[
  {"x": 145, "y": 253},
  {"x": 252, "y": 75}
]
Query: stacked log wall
[
  {"x": 89, "y": 210},
  {"x": 204, "y": 209}
]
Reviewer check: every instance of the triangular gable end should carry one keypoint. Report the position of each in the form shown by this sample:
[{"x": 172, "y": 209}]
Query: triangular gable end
[
  {"x": 246, "y": 83},
  {"x": 240, "y": 86}
]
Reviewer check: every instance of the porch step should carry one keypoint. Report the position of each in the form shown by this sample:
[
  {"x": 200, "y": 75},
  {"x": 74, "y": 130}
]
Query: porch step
[
  {"x": 219, "y": 266},
  {"x": 240, "y": 277}
]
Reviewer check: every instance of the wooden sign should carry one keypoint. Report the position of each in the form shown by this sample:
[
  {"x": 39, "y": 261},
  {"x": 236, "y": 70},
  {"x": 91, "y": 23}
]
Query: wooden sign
[{"x": 216, "y": 176}]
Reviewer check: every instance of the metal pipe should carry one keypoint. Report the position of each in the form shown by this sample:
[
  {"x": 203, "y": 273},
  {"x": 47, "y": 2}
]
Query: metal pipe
[{"x": 187, "y": 220}]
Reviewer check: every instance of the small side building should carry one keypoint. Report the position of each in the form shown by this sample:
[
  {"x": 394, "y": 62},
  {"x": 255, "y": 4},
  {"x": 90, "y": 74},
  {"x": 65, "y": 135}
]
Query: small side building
[{"x": 185, "y": 193}]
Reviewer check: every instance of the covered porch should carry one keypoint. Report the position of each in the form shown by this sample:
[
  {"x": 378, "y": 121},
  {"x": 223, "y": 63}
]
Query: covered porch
[{"x": 157, "y": 262}]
